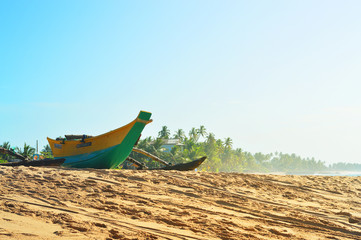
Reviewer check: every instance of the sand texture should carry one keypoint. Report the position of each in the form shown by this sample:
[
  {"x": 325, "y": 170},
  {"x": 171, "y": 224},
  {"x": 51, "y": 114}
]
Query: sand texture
[{"x": 58, "y": 203}]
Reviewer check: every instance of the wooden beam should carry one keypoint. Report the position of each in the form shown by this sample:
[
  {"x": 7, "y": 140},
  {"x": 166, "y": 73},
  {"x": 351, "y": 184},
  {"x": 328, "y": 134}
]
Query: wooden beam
[{"x": 151, "y": 156}]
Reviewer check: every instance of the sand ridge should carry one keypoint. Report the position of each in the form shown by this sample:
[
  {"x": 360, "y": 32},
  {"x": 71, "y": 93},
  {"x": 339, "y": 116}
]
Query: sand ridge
[{"x": 58, "y": 203}]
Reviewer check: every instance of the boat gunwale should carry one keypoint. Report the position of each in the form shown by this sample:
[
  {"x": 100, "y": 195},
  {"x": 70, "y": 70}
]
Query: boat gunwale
[{"x": 73, "y": 142}]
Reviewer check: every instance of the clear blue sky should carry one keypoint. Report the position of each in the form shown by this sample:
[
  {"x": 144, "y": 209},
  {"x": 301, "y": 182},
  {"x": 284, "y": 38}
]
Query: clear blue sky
[{"x": 272, "y": 75}]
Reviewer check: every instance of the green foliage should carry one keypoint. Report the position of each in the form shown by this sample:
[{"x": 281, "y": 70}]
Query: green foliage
[
  {"x": 46, "y": 152},
  {"x": 346, "y": 167},
  {"x": 194, "y": 134},
  {"x": 202, "y": 131},
  {"x": 5, "y": 157},
  {"x": 221, "y": 157},
  {"x": 27, "y": 151},
  {"x": 179, "y": 134},
  {"x": 164, "y": 133}
]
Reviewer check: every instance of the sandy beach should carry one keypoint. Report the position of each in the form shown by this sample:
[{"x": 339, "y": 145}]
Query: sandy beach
[{"x": 58, "y": 203}]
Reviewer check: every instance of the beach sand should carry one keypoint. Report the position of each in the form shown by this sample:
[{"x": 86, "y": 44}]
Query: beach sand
[{"x": 58, "y": 203}]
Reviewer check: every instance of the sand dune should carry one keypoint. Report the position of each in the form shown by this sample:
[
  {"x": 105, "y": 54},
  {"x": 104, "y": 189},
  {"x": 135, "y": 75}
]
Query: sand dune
[{"x": 58, "y": 203}]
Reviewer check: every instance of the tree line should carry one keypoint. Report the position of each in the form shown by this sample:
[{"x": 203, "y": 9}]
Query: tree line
[{"x": 221, "y": 156}]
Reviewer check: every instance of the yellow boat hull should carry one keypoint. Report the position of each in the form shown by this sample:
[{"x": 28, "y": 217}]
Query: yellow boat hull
[{"x": 104, "y": 151}]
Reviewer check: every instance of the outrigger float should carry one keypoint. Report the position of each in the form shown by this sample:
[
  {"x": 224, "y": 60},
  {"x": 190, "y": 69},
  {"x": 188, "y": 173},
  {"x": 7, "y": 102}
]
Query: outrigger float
[{"x": 105, "y": 151}]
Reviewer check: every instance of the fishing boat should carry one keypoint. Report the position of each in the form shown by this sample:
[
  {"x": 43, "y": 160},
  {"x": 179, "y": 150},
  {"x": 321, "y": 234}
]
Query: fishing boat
[{"x": 105, "y": 151}]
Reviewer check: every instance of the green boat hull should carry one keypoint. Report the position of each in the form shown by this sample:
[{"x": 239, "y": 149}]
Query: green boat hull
[{"x": 111, "y": 157}]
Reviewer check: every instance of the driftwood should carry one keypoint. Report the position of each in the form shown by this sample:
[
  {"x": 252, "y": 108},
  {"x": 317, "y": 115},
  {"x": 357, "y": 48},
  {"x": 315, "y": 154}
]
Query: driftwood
[{"x": 155, "y": 158}]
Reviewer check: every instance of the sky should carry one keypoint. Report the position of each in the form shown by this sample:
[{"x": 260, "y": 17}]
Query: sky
[{"x": 272, "y": 75}]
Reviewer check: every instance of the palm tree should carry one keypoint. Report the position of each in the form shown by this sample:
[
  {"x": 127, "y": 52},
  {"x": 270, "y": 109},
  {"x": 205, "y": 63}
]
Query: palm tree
[
  {"x": 202, "y": 131},
  {"x": 220, "y": 144},
  {"x": 179, "y": 134},
  {"x": 46, "y": 148},
  {"x": 228, "y": 143},
  {"x": 193, "y": 152},
  {"x": 156, "y": 146},
  {"x": 27, "y": 152},
  {"x": 46, "y": 152},
  {"x": 193, "y": 134},
  {"x": 7, "y": 146},
  {"x": 164, "y": 133},
  {"x": 211, "y": 137},
  {"x": 238, "y": 151},
  {"x": 145, "y": 143}
]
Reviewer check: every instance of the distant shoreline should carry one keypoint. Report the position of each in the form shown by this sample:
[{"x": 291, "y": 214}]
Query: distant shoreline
[{"x": 316, "y": 173}]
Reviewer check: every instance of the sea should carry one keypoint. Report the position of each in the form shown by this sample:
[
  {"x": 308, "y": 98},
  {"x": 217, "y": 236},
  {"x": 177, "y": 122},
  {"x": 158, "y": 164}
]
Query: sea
[
  {"x": 328, "y": 173},
  {"x": 339, "y": 173}
]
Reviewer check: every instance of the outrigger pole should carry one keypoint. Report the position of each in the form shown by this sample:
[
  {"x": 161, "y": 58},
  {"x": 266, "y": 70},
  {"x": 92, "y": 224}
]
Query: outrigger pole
[
  {"x": 15, "y": 154},
  {"x": 155, "y": 158},
  {"x": 168, "y": 166},
  {"x": 27, "y": 162}
]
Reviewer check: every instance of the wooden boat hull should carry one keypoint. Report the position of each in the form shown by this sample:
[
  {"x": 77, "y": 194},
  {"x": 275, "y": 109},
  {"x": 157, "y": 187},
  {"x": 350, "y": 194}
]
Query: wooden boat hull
[
  {"x": 105, "y": 151},
  {"x": 36, "y": 163},
  {"x": 190, "y": 166}
]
